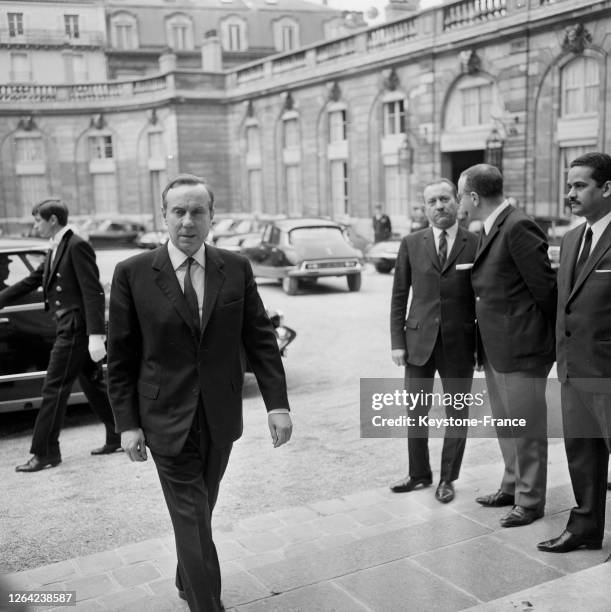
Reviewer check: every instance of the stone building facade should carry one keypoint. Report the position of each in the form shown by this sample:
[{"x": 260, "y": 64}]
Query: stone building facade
[{"x": 331, "y": 128}]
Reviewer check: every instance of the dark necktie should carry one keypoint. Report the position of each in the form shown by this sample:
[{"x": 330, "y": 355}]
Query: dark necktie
[
  {"x": 585, "y": 253},
  {"x": 443, "y": 248},
  {"x": 191, "y": 295}
]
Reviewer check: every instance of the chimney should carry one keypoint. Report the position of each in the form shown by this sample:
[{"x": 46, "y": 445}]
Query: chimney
[{"x": 212, "y": 54}]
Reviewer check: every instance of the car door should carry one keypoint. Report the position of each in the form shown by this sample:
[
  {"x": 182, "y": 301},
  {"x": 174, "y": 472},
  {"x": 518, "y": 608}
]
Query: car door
[{"x": 26, "y": 332}]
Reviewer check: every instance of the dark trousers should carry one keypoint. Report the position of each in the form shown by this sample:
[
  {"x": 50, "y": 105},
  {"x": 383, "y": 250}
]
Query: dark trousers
[
  {"x": 68, "y": 361},
  {"x": 587, "y": 414},
  {"x": 454, "y": 379},
  {"x": 521, "y": 395},
  {"x": 190, "y": 484}
]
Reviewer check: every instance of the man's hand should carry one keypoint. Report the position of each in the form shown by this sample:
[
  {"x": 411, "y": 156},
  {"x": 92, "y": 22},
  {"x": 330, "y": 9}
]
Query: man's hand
[
  {"x": 398, "y": 356},
  {"x": 281, "y": 427},
  {"x": 97, "y": 350},
  {"x": 132, "y": 442}
]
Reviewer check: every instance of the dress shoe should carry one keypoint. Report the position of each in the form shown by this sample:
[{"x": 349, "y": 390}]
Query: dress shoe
[
  {"x": 519, "y": 516},
  {"x": 183, "y": 596},
  {"x": 107, "y": 449},
  {"x": 37, "y": 463},
  {"x": 496, "y": 500},
  {"x": 444, "y": 492},
  {"x": 409, "y": 484},
  {"x": 567, "y": 541}
]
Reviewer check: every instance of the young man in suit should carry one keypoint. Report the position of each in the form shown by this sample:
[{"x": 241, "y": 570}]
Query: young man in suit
[
  {"x": 583, "y": 350},
  {"x": 515, "y": 303},
  {"x": 180, "y": 317},
  {"x": 439, "y": 333},
  {"x": 73, "y": 294}
]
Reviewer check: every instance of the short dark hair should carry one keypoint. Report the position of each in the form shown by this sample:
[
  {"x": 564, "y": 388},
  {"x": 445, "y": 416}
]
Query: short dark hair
[
  {"x": 445, "y": 181},
  {"x": 52, "y": 206},
  {"x": 186, "y": 179},
  {"x": 484, "y": 179},
  {"x": 600, "y": 163}
]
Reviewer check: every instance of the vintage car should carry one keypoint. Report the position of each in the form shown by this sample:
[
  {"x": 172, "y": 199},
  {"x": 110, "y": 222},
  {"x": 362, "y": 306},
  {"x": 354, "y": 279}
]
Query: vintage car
[
  {"x": 27, "y": 332},
  {"x": 383, "y": 255},
  {"x": 304, "y": 249},
  {"x": 111, "y": 233}
]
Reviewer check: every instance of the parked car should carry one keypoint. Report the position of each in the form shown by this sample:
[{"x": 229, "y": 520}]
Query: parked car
[
  {"x": 27, "y": 332},
  {"x": 238, "y": 224},
  {"x": 111, "y": 232},
  {"x": 151, "y": 240},
  {"x": 383, "y": 255},
  {"x": 300, "y": 249}
]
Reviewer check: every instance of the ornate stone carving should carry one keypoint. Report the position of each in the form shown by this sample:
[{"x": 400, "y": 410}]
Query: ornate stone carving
[
  {"x": 576, "y": 38},
  {"x": 98, "y": 122},
  {"x": 335, "y": 94},
  {"x": 470, "y": 62},
  {"x": 392, "y": 80},
  {"x": 27, "y": 124}
]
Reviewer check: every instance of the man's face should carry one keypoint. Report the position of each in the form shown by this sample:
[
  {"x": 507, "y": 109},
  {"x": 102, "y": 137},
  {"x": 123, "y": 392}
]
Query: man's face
[
  {"x": 440, "y": 205},
  {"x": 45, "y": 229},
  {"x": 586, "y": 198},
  {"x": 188, "y": 216}
]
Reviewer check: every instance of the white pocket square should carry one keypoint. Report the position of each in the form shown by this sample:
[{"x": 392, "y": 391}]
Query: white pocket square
[
  {"x": 602, "y": 271},
  {"x": 466, "y": 266}
]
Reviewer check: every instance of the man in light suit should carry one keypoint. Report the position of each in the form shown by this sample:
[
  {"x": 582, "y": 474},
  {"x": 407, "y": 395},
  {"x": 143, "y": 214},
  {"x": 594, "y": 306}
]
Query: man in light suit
[
  {"x": 73, "y": 294},
  {"x": 180, "y": 317},
  {"x": 583, "y": 349},
  {"x": 515, "y": 303},
  {"x": 439, "y": 333}
]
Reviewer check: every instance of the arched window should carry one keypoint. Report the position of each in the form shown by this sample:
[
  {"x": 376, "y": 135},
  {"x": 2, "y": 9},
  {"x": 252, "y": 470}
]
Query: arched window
[
  {"x": 124, "y": 31},
  {"x": 179, "y": 32},
  {"x": 234, "y": 34},
  {"x": 580, "y": 87},
  {"x": 286, "y": 34}
]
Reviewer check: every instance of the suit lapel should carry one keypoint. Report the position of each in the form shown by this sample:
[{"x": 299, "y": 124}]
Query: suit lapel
[
  {"x": 168, "y": 283},
  {"x": 429, "y": 246},
  {"x": 602, "y": 246},
  {"x": 61, "y": 249},
  {"x": 214, "y": 281},
  {"x": 487, "y": 240}
]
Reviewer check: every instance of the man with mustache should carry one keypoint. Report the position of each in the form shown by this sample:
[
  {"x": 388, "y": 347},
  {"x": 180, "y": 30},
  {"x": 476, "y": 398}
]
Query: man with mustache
[
  {"x": 583, "y": 349},
  {"x": 439, "y": 333}
]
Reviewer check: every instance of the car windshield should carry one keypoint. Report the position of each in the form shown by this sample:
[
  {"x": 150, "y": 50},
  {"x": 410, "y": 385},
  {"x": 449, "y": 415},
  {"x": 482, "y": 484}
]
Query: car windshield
[
  {"x": 223, "y": 225},
  {"x": 302, "y": 236}
]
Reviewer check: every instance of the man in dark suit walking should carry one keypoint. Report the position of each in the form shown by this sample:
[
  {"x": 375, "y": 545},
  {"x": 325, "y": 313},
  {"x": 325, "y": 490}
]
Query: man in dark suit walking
[
  {"x": 180, "y": 317},
  {"x": 583, "y": 349},
  {"x": 72, "y": 293},
  {"x": 515, "y": 303},
  {"x": 439, "y": 333},
  {"x": 382, "y": 227}
]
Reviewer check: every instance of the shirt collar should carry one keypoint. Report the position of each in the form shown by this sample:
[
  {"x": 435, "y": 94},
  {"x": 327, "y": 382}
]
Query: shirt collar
[
  {"x": 450, "y": 231},
  {"x": 601, "y": 225},
  {"x": 178, "y": 258},
  {"x": 493, "y": 216},
  {"x": 57, "y": 238}
]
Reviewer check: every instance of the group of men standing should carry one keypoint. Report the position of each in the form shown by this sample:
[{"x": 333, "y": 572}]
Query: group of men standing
[{"x": 496, "y": 300}]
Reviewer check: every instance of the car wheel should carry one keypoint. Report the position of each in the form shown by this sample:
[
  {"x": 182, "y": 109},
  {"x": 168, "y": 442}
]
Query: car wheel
[
  {"x": 290, "y": 285},
  {"x": 354, "y": 282},
  {"x": 383, "y": 267}
]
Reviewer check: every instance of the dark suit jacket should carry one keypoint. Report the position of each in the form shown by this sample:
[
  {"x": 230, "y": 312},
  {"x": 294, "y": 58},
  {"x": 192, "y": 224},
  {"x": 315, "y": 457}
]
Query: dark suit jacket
[
  {"x": 71, "y": 282},
  {"x": 515, "y": 294},
  {"x": 159, "y": 368},
  {"x": 442, "y": 299},
  {"x": 583, "y": 326}
]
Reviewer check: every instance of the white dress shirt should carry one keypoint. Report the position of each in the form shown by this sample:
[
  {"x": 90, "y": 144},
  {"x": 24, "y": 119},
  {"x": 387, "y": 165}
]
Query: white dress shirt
[
  {"x": 492, "y": 217},
  {"x": 451, "y": 236},
  {"x": 597, "y": 231},
  {"x": 198, "y": 269}
]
